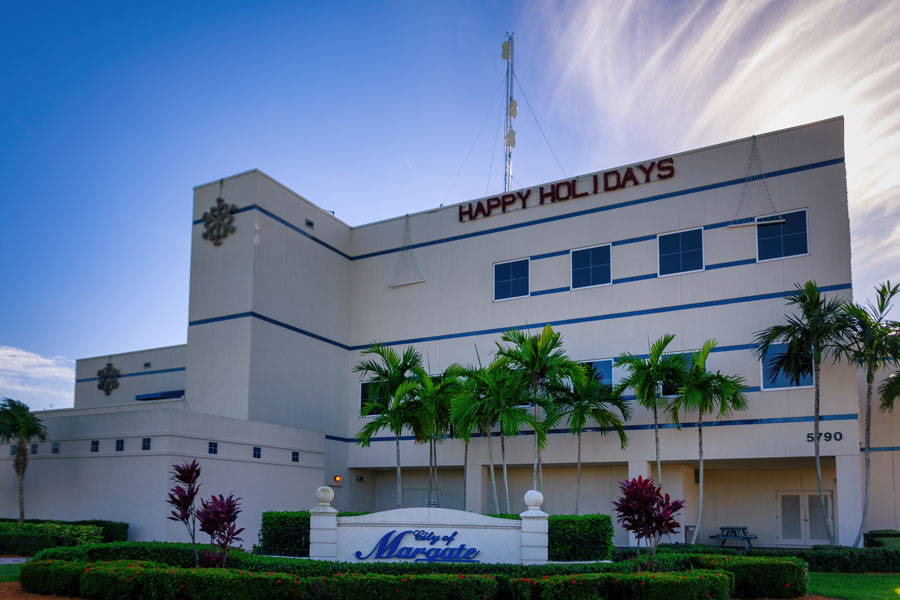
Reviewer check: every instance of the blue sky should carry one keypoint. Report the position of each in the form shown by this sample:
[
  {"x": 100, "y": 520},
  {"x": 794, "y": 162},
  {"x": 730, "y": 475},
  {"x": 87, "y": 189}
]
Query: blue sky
[{"x": 110, "y": 113}]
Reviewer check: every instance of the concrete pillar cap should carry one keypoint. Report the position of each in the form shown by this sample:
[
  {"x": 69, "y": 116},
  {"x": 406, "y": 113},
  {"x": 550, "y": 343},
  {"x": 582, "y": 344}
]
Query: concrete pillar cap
[
  {"x": 534, "y": 499},
  {"x": 324, "y": 495}
]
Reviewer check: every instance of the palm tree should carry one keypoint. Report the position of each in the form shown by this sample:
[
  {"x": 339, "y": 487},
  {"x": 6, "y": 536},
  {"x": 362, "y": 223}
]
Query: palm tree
[
  {"x": 390, "y": 379},
  {"x": 708, "y": 392},
  {"x": 871, "y": 342},
  {"x": 462, "y": 420},
  {"x": 810, "y": 335},
  {"x": 20, "y": 424},
  {"x": 890, "y": 391},
  {"x": 647, "y": 376},
  {"x": 593, "y": 399},
  {"x": 433, "y": 396},
  {"x": 542, "y": 361}
]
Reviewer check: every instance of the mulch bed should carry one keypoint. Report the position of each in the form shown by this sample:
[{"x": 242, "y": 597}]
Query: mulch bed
[{"x": 13, "y": 591}]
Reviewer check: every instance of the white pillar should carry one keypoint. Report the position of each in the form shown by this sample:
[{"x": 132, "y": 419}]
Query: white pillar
[
  {"x": 474, "y": 486},
  {"x": 323, "y": 526},
  {"x": 636, "y": 468},
  {"x": 848, "y": 498},
  {"x": 534, "y": 530}
]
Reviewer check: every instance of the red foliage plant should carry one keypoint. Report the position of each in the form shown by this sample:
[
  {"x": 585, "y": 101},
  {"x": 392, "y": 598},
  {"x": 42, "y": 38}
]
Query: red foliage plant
[
  {"x": 646, "y": 512},
  {"x": 217, "y": 517},
  {"x": 182, "y": 497}
]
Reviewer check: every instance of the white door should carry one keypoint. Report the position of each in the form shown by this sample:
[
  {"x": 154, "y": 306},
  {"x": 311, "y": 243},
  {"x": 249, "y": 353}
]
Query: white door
[{"x": 800, "y": 521}]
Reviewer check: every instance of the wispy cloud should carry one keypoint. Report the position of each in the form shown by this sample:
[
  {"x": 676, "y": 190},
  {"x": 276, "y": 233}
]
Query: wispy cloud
[
  {"x": 685, "y": 74},
  {"x": 41, "y": 382}
]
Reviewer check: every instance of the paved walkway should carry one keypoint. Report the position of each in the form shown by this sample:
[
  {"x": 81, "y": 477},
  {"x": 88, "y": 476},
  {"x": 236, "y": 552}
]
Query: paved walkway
[{"x": 12, "y": 561}]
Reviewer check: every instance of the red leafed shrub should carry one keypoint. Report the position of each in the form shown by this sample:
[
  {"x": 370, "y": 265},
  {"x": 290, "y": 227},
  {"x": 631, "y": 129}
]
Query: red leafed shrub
[
  {"x": 182, "y": 497},
  {"x": 218, "y": 517},
  {"x": 646, "y": 512}
]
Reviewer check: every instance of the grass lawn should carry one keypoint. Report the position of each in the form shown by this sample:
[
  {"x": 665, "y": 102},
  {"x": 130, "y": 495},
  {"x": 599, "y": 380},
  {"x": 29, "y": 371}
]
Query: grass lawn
[
  {"x": 10, "y": 572},
  {"x": 879, "y": 586}
]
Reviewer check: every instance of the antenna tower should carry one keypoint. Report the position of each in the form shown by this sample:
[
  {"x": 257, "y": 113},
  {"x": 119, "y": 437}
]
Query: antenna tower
[{"x": 509, "y": 140}]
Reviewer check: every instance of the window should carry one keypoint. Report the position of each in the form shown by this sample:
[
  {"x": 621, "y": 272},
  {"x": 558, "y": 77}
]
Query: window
[
  {"x": 145, "y": 444},
  {"x": 669, "y": 386},
  {"x": 779, "y": 240},
  {"x": 34, "y": 448},
  {"x": 54, "y": 448},
  {"x": 257, "y": 452},
  {"x": 365, "y": 388},
  {"x": 681, "y": 252},
  {"x": 295, "y": 456},
  {"x": 120, "y": 445},
  {"x": 603, "y": 370},
  {"x": 213, "y": 448},
  {"x": 772, "y": 379},
  {"x": 511, "y": 279},
  {"x": 12, "y": 449},
  {"x": 95, "y": 445},
  {"x": 591, "y": 267}
]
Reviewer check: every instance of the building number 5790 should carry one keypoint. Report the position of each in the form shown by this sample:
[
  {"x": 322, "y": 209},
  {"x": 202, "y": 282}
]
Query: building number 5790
[{"x": 836, "y": 436}]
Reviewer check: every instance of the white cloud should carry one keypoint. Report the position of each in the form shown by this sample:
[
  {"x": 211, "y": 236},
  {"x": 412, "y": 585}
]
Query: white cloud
[
  {"x": 40, "y": 382},
  {"x": 676, "y": 76}
]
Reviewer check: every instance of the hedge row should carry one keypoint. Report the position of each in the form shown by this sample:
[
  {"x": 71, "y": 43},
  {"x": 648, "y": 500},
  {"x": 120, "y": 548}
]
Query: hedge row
[
  {"x": 617, "y": 586},
  {"x": 125, "y": 580},
  {"x": 30, "y": 538},
  {"x": 112, "y": 531},
  {"x": 570, "y": 537},
  {"x": 753, "y": 576},
  {"x": 881, "y": 537}
]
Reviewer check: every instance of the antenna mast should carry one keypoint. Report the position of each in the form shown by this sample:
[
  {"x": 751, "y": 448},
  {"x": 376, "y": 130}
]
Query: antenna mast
[{"x": 509, "y": 140}]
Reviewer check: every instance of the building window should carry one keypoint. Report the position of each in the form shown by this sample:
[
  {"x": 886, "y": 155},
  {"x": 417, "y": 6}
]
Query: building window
[
  {"x": 603, "y": 370},
  {"x": 365, "y": 388},
  {"x": 34, "y": 448},
  {"x": 772, "y": 379},
  {"x": 511, "y": 279},
  {"x": 670, "y": 387},
  {"x": 95, "y": 445},
  {"x": 681, "y": 252},
  {"x": 145, "y": 444},
  {"x": 590, "y": 267},
  {"x": 54, "y": 448},
  {"x": 213, "y": 448},
  {"x": 12, "y": 449},
  {"x": 120, "y": 445},
  {"x": 257, "y": 452},
  {"x": 295, "y": 456},
  {"x": 779, "y": 240}
]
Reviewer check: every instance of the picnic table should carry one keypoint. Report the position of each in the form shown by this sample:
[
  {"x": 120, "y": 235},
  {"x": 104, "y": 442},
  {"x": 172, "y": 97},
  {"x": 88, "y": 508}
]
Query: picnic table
[{"x": 736, "y": 533}]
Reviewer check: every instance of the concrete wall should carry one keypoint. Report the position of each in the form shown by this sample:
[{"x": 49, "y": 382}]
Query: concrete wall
[{"x": 142, "y": 373}]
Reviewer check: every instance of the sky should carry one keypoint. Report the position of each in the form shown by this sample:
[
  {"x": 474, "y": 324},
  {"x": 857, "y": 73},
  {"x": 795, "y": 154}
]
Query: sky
[{"x": 110, "y": 114}]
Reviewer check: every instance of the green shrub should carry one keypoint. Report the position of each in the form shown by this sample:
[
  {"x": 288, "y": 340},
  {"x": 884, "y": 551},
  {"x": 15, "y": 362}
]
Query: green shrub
[
  {"x": 286, "y": 533},
  {"x": 55, "y": 577},
  {"x": 30, "y": 538},
  {"x": 576, "y": 537},
  {"x": 618, "y": 586},
  {"x": 758, "y": 577},
  {"x": 870, "y": 538},
  {"x": 112, "y": 531}
]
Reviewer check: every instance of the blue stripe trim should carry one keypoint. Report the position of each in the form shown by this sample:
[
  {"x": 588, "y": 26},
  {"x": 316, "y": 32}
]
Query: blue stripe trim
[
  {"x": 495, "y": 330},
  {"x": 634, "y": 278},
  {"x": 549, "y": 255},
  {"x": 717, "y": 225},
  {"x": 882, "y": 449},
  {"x": 161, "y": 395},
  {"x": 572, "y": 215},
  {"x": 733, "y": 263},
  {"x": 642, "y": 238},
  {"x": 642, "y": 427},
  {"x": 550, "y": 291},
  {"x": 122, "y": 375}
]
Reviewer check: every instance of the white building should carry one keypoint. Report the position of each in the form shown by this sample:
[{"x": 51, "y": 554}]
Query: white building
[{"x": 264, "y": 396}]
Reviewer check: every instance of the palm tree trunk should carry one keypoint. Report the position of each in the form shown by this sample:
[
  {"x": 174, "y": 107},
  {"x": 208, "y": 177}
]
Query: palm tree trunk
[
  {"x": 870, "y": 375},
  {"x": 21, "y": 464},
  {"x": 700, "y": 500},
  {"x": 534, "y": 474},
  {"x": 578, "y": 476},
  {"x": 465, "y": 472},
  {"x": 656, "y": 435},
  {"x": 505, "y": 478},
  {"x": 437, "y": 486},
  {"x": 399, "y": 484},
  {"x": 493, "y": 477},
  {"x": 430, "y": 470},
  {"x": 818, "y": 460}
]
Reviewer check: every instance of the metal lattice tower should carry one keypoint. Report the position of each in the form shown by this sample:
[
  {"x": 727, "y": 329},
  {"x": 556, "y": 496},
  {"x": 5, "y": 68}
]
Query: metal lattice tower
[{"x": 509, "y": 138}]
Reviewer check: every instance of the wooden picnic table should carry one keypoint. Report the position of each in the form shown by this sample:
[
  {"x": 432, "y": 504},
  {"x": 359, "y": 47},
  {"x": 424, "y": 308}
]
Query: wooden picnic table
[{"x": 736, "y": 533}]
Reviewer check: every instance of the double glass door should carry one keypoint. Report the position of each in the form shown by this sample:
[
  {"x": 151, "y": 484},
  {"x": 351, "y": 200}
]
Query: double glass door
[{"x": 801, "y": 522}]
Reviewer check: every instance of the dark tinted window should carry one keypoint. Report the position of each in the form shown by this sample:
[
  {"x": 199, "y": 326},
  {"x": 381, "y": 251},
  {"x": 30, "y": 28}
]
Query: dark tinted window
[
  {"x": 681, "y": 252},
  {"x": 603, "y": 370},
  {"x": 778, "y": 240},
  {"x": 773, "y": 379},
  {"x": 511, "y": 279},
  {"x": 213, "y": 448},
  {"x": 590, "y": 267}
]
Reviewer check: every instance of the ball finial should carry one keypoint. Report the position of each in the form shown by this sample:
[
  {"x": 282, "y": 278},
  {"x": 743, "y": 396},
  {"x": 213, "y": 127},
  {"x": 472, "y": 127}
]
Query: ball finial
[
  {"x": 324, "y": 495},
  {"x": 534, "y": 499}
]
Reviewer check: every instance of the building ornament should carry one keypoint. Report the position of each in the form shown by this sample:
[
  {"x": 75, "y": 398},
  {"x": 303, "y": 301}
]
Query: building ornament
[
  {"x": 109, "y": 378},
  {"x": 219, "y": 222}
]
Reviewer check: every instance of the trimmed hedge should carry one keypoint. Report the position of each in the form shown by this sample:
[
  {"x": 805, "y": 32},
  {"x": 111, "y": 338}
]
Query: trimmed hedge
[
  {"x": 286, "y": 533},
  {"x": 881, "y": 537},
  {"x": 842, "y": 559},
  {"x": 780, "y": 577},
  {"x": 618, "y": 586},
  {"x": 30, "y": 538},
  {"x": 112, "y": 531},
  {"x": 125, "y": 580}
]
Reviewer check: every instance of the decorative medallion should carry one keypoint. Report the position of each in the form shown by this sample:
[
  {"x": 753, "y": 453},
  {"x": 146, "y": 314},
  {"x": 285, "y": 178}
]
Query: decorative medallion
[
  {"x": 109, "y": 378},
  {"x": 219, "y": 222}
]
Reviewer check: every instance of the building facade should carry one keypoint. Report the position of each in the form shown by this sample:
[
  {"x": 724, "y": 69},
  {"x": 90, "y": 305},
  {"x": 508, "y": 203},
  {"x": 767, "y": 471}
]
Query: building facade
[{"x": 284, "y": 297}]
